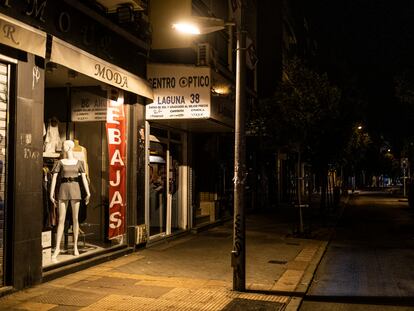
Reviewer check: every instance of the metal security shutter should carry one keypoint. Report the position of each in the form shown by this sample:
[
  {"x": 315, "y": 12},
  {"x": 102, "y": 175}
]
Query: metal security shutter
[{"x": 4, "y": 99}]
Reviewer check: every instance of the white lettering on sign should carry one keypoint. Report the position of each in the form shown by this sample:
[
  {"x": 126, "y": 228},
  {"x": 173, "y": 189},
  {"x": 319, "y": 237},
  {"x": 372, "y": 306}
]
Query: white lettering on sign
[
  {"x": 116, "y": 199},
  {"x": 112, "y": 114},
  {"x": 115, "y": 124},
  {"x": 116, "y": 220},
  {"x": 118, "y": 180},
  {"x": 114, "y": 136},
  {"x": 116, "y": 158}
]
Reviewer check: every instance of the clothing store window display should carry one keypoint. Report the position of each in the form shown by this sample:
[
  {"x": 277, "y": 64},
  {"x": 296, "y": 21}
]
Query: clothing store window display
[{"x": 71, "y": 172}]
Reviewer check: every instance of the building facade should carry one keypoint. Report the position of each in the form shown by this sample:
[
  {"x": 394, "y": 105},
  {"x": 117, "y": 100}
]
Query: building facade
[
  {"x": 191, "y": 120},
  {"x": 150, "y": 113},
  {"x": 64, "y": 77}
]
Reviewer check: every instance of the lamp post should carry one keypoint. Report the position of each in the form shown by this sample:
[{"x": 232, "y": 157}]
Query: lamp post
[
  {"x": 239, "y": 228},
  {"x": 238, "y": 254}
]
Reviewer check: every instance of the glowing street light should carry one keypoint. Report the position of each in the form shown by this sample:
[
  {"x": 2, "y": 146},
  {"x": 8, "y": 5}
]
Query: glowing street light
[
  {"x": 199, "y": 25},
  {"x": 187, "y": 28}
]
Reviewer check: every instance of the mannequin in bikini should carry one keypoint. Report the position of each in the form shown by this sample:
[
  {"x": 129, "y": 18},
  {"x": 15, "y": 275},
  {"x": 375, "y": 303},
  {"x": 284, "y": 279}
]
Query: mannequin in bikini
[{"x": 72, "y": 172}]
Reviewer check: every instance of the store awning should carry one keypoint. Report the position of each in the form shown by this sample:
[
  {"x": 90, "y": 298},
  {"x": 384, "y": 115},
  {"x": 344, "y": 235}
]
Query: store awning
[
  {"x": 74, "y": 58},
  {"x": 21, "y": 36}
]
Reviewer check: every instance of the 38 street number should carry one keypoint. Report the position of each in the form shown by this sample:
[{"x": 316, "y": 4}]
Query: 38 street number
[{"x": 195, "y": 98}]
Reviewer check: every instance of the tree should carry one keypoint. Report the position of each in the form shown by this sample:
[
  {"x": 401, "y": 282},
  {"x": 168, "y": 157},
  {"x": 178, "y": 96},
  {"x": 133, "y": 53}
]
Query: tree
[
  {"x": 302, "y": 115},
  {"x": 306, "y": 103}
]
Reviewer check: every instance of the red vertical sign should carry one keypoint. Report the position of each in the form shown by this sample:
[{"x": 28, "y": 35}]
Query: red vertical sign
[{"x": 115, "y": 129}]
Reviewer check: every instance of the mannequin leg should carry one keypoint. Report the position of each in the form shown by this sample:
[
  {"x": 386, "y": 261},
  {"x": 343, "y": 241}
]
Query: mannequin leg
[
  {"x": 75, "y": 212},
  {"x": 63, "y": 205}
]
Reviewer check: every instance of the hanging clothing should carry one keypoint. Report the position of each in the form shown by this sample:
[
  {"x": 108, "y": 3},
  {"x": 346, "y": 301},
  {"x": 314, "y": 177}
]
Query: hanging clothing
[
  {"x": 52, "y": 141},
  {"x": 49, "y": 210}
]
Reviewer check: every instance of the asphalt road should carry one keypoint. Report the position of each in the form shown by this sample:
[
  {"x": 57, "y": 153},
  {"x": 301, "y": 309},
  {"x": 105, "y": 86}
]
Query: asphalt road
[{"x": 369, "y": 264}]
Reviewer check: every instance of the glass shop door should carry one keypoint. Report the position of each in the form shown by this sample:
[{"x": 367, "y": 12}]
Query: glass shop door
[
  {"x": 166, "y": 211},
  {"x": 157, "y": 188}
]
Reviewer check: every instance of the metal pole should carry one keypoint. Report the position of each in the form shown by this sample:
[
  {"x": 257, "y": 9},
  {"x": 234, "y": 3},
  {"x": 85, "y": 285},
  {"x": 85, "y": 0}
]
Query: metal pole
[
  {"x": 299, "y": 187},
  {"x": 405, "y": 187},
  {"x": 239, "y": 232}
]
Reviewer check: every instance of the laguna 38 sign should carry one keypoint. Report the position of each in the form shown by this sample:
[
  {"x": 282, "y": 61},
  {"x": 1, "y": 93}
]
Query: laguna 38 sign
[{"x": 180, "y": 92}]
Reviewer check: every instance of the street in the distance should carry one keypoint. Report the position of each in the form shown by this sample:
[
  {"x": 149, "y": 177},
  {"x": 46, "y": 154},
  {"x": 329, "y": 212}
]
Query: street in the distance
[{"x": 368, "y": 264}]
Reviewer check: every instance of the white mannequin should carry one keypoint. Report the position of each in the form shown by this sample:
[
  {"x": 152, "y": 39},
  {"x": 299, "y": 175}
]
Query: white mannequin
[{"x": 63, "y": 204}]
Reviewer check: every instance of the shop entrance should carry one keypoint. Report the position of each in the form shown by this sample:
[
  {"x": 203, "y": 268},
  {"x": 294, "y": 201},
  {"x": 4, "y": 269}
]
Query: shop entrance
[
  {"x": 166, "y": 206},
  {"x": 76, "y": 110},
  {"x": 158, "y": 189}
]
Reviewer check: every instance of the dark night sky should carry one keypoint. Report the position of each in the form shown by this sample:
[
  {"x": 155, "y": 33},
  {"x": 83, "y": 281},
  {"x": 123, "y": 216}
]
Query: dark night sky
[
  {"x": 368, "y": 32},
  {"x": 368, "y": 41}
]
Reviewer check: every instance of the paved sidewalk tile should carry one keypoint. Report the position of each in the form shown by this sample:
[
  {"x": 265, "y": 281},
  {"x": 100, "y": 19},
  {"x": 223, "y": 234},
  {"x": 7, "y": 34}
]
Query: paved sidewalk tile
[{"x": 191, "y": 273}]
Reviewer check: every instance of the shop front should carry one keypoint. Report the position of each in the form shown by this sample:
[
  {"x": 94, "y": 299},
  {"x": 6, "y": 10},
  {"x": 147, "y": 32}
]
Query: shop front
[
  {"x": 189, "y": 126},
  {"x": 68, "y": 120},
  {"x": 92, "y": 103}
]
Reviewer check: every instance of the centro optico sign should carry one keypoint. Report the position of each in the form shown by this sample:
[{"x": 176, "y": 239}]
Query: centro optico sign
[{"x": 180, "y": 92}]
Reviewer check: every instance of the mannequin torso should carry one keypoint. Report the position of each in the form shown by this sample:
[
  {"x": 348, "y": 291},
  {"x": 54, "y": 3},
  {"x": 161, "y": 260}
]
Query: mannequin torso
[{"x": 72, "y": 172}]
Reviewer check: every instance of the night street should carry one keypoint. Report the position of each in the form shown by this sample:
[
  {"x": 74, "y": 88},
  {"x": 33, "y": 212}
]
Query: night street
[
  {"x": 206, "y": 155},
  {"x": 368, "y": 264}
]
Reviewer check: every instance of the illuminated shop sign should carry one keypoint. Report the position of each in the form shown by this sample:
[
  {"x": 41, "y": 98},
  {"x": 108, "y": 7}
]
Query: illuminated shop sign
[
  {"x": 70, "y": 56},
  {"x": 180, "y": 92},
  {"x": 115, "y": 126}
]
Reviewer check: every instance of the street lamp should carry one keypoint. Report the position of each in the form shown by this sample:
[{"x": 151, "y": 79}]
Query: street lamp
[
  {"x": 204, "y": 25},
  {"x": 187, "y": 28},
  {"x": 199, "y": 25}
]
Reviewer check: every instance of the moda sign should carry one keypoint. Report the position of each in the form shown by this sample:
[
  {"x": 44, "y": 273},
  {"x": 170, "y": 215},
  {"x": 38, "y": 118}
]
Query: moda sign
[
  {"x": 111, "y": 76},
  {"x": 180, "y": 92},
  {"x": 70, "y": 56}
]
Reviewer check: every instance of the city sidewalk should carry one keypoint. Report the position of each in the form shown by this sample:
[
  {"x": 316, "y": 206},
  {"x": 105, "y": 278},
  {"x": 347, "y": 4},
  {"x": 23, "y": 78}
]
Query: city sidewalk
[{"x": 193, "y": 273}]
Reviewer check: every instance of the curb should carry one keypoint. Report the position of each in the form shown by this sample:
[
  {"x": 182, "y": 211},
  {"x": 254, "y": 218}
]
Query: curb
[
  {"x": 85, "y": 264},
  {"x": 7, "y": 290},
  {"x": 307, "y": 277},
  {"x": 306, "y": 280},
  {"x": 293, "y": 304}
]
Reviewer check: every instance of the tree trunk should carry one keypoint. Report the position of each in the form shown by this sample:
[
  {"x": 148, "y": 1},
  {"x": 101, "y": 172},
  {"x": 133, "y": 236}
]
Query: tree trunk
[
  {"x": 323, "y": 180},
  {"x": 299, "y": 189}
]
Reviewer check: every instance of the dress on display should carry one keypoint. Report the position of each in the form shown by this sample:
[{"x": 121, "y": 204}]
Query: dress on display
[
  {"x": 52, "y": 140},
  {"x": 69, "y": 174}
]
